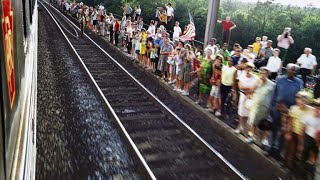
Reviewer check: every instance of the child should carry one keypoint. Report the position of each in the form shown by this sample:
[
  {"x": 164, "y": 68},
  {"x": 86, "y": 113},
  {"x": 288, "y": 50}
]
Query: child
[
  {"x": 256, "y": 47},
  {"x": 153, "y": 56},
  {"x": 312, "y": 125},
  {"x": 215, "y": 89},
  {"x": 179, "y": 71},
  {"x": 264, "y": 42},
  {"x": 294, "y": 131}
]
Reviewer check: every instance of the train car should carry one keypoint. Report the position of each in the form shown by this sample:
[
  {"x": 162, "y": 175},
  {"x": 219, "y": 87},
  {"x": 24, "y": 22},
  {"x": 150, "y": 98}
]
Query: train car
[{"x": 18, "y": 87}]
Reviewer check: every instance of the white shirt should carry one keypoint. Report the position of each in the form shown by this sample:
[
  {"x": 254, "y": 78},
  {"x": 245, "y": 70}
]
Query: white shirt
[
  {"x": 307, "y": 62},
  {"x": 129, "y": 31},
  {"x": 248, "y": 82},
  {"x": 274, "y": 64},
  {"x": 138, "y": 11},
  {"x": 263, "y": 44},
  {"x": 169, "y": 11},
  {"x": 312, "y": 125},
  {"x": 176, "y": 32},
  {"x": 152, "y": 29}
]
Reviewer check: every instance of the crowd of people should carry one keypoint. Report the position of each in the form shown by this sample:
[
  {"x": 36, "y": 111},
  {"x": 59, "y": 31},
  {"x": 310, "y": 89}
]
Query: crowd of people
[{"x": 278, "y": 104}]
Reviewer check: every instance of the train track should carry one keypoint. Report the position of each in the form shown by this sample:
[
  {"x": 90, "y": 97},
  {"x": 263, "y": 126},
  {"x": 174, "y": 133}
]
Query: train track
[{"x": 166, "y": 147}]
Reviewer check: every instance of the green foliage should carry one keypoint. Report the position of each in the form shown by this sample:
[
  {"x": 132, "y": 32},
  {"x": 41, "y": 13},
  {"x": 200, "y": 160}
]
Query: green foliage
[{"x": 252, "y": 20}]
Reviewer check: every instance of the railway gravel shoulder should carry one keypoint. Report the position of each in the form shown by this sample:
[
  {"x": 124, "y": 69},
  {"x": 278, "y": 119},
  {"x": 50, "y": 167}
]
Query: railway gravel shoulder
[{"x": 76, "y": 139}]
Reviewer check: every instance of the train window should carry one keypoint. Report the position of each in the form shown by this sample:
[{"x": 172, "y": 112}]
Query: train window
[{"x": 24, "y": 18}]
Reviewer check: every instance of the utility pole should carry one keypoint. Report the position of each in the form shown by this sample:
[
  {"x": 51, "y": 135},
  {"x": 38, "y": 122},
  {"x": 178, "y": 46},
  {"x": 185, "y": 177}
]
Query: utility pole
[{"x": 212, "y": 18}]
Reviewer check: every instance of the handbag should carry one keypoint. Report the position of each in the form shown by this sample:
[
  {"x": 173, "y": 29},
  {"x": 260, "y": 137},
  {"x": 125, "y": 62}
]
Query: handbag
[
  {"x": 265, "y": 124},
  {"x": 170, "y": 60},
  {"x": 249, "y": 103}
]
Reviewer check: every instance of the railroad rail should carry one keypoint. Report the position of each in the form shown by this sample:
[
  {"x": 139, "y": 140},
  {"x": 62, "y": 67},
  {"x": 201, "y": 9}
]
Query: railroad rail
[{"x": 165, "y": 145}]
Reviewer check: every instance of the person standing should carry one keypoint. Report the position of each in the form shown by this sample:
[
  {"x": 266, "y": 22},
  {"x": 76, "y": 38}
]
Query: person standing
[
  {"x": 308, "y": 64},
  {"x": 274, "y": 64},
  {"x": 116, "y": 29},
  {"x": 283, "y": 98},
  {"x": 176, "y": 31},
  {"x": 284, "y": 42},
  {"x": 261, "y": 105},
  {"x": 228, "y": 25},
  {"x": 228, "y": 74},
  {"x": 170, "y": 16},
  {"x": 247, "y": 85}
]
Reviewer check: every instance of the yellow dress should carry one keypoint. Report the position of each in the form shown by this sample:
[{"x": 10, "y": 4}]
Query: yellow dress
[{"x": 143, "y": 44}]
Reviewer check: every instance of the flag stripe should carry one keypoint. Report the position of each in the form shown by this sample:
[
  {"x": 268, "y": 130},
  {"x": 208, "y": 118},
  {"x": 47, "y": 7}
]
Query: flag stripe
[{"x": 191, "y": 31}]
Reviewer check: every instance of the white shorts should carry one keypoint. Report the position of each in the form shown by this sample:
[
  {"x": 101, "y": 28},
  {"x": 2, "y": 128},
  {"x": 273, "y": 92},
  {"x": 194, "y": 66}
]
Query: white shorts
[
  {"x": 178, "y": 69},
  {"x": 215, "y": 91}
]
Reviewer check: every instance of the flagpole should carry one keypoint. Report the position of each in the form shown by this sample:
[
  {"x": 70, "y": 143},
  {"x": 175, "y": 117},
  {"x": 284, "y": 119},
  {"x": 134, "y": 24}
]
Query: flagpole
[{"x": 212, "y": 18}]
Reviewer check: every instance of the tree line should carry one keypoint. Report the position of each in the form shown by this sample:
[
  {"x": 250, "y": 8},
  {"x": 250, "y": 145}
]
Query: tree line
[{"x": 252, "y": 20}]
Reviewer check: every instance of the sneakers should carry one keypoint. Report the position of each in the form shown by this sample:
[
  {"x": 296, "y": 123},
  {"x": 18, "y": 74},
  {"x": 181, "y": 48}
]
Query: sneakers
[
  {"x": 209, "y": 110},
  {"x": 238, "y": 130},
  {"x": 217, "y": 113},
  {"x": 265, "y": 142},
  {"x": 250, "y": 139},
  {"x": 184, "y": 93}
]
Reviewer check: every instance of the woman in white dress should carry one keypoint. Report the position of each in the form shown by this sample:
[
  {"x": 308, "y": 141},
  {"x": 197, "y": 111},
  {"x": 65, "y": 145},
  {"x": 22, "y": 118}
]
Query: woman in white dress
[{"x": 247, "y": 84}]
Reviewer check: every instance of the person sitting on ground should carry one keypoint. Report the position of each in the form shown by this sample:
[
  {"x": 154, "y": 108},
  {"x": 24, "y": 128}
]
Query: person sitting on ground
[
  {"x": 256, "y": 47},
  {"x": 265, "y": 54},
  {"x": 264, "y": 42},
  {"x": 247, "y": 53}
]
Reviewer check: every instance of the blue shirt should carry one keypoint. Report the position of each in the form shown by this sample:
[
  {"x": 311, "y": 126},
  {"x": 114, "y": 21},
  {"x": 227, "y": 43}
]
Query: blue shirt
[{"x": 286, "y": 90}]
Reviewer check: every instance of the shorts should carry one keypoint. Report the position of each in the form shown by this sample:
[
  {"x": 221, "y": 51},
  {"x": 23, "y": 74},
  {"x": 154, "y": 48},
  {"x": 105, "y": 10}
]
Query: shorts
[
  {"x": 178, "y": 69},
  {"x": 95, "y": 22},
  {"x": 137, "y": 52},
  {"x": 154, "y": 60},
  {"x": 215, "y": 91}
]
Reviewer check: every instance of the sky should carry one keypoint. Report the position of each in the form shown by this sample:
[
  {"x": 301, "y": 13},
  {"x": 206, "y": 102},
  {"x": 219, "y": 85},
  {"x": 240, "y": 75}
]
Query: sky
[{"x": 301, "y": 3}]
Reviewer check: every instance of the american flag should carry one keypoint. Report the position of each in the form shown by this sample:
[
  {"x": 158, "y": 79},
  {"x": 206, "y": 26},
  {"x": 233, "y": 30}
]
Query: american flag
[{"x": 191, "y": 31}]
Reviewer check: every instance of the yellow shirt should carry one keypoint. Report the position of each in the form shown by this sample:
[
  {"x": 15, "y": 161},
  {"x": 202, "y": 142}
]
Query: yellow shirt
[
  {"x": 163, "y": 18},
  {"x": 256, "y": 47},
  {"x": 227, "y": 76},
  {"x": 297, "y": 115}
]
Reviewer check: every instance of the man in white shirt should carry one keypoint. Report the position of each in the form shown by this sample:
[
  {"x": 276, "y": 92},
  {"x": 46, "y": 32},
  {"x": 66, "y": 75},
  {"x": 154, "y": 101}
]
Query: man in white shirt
[
  {"x": 274, "y": 64},
  {"x": 308, "y": 64},
  {"x": 176, "y": 31},
  {"x": 170, "y": 15}
]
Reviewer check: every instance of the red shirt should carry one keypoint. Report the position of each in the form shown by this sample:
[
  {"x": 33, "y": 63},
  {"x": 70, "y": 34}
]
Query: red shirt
[
  {"x": 227, "y": 25},
  {"x": 116, "y": 26},
  {"x": 217, "y": 79}
]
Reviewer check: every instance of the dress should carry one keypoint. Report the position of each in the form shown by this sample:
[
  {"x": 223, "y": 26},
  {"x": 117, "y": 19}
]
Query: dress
[
  {"x": 143, "y": 44},
  {"x": 206, "y": 73},
  {"x": 246, "y": 83},
  {"x": 261, "y": 102}
]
